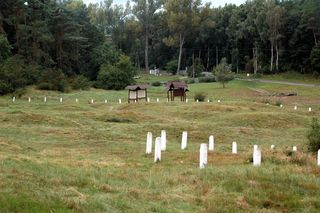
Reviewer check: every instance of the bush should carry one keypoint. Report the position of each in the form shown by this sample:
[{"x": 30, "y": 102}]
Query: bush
[
  {"x": 156, "y": 84},
  {"x": 53, "y": 79},
  {"x": 5, "y": 48},
  {"x": 172, "y": 66},
  {"x": 80, "y": 82},
  {"x": 223, "y": 72},
  {"x": 314, "y": 136},
  {"x": 15, "y": 73},
  {"x": 198, "y": 68},
  {"x": 315, "y": 58},
  {"x": 116, "y": 76},
  {"x": 200, "y": 97},
  {"x": 207, "y": 79}
]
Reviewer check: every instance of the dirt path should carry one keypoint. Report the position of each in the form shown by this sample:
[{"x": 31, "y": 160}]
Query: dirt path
[{"x": 280, "y": 82}]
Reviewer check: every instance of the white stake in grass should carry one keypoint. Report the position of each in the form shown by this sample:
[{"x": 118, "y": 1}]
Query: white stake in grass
[
  {"x": 148, "y": 100},
  {"x": 187, "y": 100},
  {"x": 45, "y": 99},
  {"x": 29, "y": 99},
  {"x": 257, "y": 157},
  {"x": 294, "y": 148},
  {"x": 61, "y": 100},
  {"x": 211, "y": 143},
  {"x": 310, "y": 109},
  {"x": 149, "y": 143},
  {"x": 255, "y": 147},
  {"x": 208, "y": 101},
  {"x": 318, "y": 158},
  {"x": 203, "y": 158},
  {"x": 184, "y": 140},
  {"x": 219, "y": 101},
  {"x": 295, "y": 108},
  {"x": 197, "y": 101},
  {"x": 77, "y": 100},
  {"x": 157, "y": 150},
  {"x": 272, "y": 146},
  {"x": 281, "y": 105},
  {"x": 157, "y": 99},
  {"x": 92, "y": 101},
  {"x": 120, "y": 101},
  {"x": 13, "y": 99},
  {"x": 163, "y": 140},
  {"x": 234, "y": 148}
]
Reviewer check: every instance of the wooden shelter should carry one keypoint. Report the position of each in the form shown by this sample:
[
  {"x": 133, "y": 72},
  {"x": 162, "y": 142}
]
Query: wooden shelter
[
  {"x": 137, "y": 92},
  {"x": 176, "y": 89}
]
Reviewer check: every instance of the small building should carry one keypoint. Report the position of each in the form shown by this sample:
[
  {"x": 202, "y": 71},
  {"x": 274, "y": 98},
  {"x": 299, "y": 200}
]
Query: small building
[
  {"x": 176, "y": 89},
  {"x": 137, "y": 92}
]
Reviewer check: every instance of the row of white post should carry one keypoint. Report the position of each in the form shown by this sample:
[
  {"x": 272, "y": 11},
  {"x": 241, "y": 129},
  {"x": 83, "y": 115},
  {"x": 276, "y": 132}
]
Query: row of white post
[
  {"x": 148, "y": 100},
  {"x": 161, "y": 142}
]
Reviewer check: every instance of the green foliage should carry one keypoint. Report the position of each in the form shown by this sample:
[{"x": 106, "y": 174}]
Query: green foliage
[
  {"x": 53, "y": 79},
  {"x": 198, "y": 68},
  {"x": 16, "y": 73},
  {"x": 80, "y": 82},
  {"x": 223, "y": 72},
  {"x": 172, "y": 66},
  {"x": 116, "y": 76},
  {"x": 5, "y": 48},
  {"x": 207, "y": 79},
  {"x": 156, "y": 84},
  {"x": 315, "y": 58},
  {"x": 314, "y": 136},
  {"x": 200, "y": 96}
]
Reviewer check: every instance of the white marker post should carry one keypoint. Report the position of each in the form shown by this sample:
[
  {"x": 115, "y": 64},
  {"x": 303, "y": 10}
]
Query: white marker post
[
  {"x": 149, "y": 143},
  {"x": 157, "y": 150},
  {"x": 211, "y": 143},
  {"x": 61, "y": 100},
  {"x": 92, "y": 101},
  {"x": 219, "y": 101},
  {"x": 294, "y": 148},
  {"x": 255, "y": 147},
  {"x": 248, "y": 75},
  {"x": 295, "y": 108},
  {"x": 197, "y": 101},
  {"x": 163, "y": 140},
  {"x": 148, "y": 100},
  {"x": 29, "y": 99},
  {"x": 272, "y": 146},
  {"x": 257, "y": 157},
  {"x": 203, "y": 158},
  {"x": 77, "y": 100},
  {"x": 120, "y": 101},
  {"x": 310, "y": 109},
  {"x": 187, "y": 100},
  {"x": 184, "y": 140},
  {"x": 105, "y": 101},
  {"x": 318, "y": 157},
  {"x": 234, "y": 148},
  {"x": 208, "y": 101},
  {"x": 45, "y": 99},
  {"x": 157, "y": 99},
  {"x": 281, "y": 105},
  {"x": 13, "y": 99}
]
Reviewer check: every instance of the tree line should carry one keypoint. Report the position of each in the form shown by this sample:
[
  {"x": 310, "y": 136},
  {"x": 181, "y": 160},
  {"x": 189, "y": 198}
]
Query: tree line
[{"x": 66, "y": 39}]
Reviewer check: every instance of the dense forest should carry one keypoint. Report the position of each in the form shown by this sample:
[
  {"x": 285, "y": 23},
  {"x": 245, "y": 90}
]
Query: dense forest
[{"x": 54, "y": 43}]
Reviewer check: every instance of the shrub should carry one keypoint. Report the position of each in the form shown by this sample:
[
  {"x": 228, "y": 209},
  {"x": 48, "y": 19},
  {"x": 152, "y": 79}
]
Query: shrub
[
  {"x": 315, "y": 58},
  {"x": 207, "y": 79},
  {"x": 5, "y": 48},
  {"x": 200, "y": 96},
  {"x": 156, "y": 84},
  {"x": 53, "y": 79},
  {"x": 314, "y": 136},
  {"x": 198, "y": 68},
  {"x": 223, "y": 72},
  {"x": 116, "y": 76},
  {"x": 80, "y": 82},
  {"x": 15, "y": 73},
  {"x": 191, "y": 81},
  {"x": 172, "y": 66}
]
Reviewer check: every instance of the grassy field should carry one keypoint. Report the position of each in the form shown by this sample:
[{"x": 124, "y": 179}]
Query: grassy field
[{"x": 82, "y": 157}]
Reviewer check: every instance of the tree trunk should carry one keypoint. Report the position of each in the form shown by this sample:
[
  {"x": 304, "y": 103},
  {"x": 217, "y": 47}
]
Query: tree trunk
[
  {"x": 180, "y": 52},
  {"x": 208, "y": 59},
  {"x": 271, "y": 60},
  {"x": 315, "y": 37},
  {"x": 217, "y": 56},
  {"x": 255, "y": 61},
  {"x": 277, "y": 56},
  {"x": 146, "y": 51},
  {"x": 193, "y": 65}
]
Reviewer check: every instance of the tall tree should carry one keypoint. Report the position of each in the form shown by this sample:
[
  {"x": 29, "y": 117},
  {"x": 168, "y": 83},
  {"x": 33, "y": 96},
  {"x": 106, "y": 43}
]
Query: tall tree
[{"x": 144, "y": 10}]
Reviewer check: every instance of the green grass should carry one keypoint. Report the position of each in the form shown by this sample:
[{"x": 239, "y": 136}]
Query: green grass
[{"x": 82, "y": 157}]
